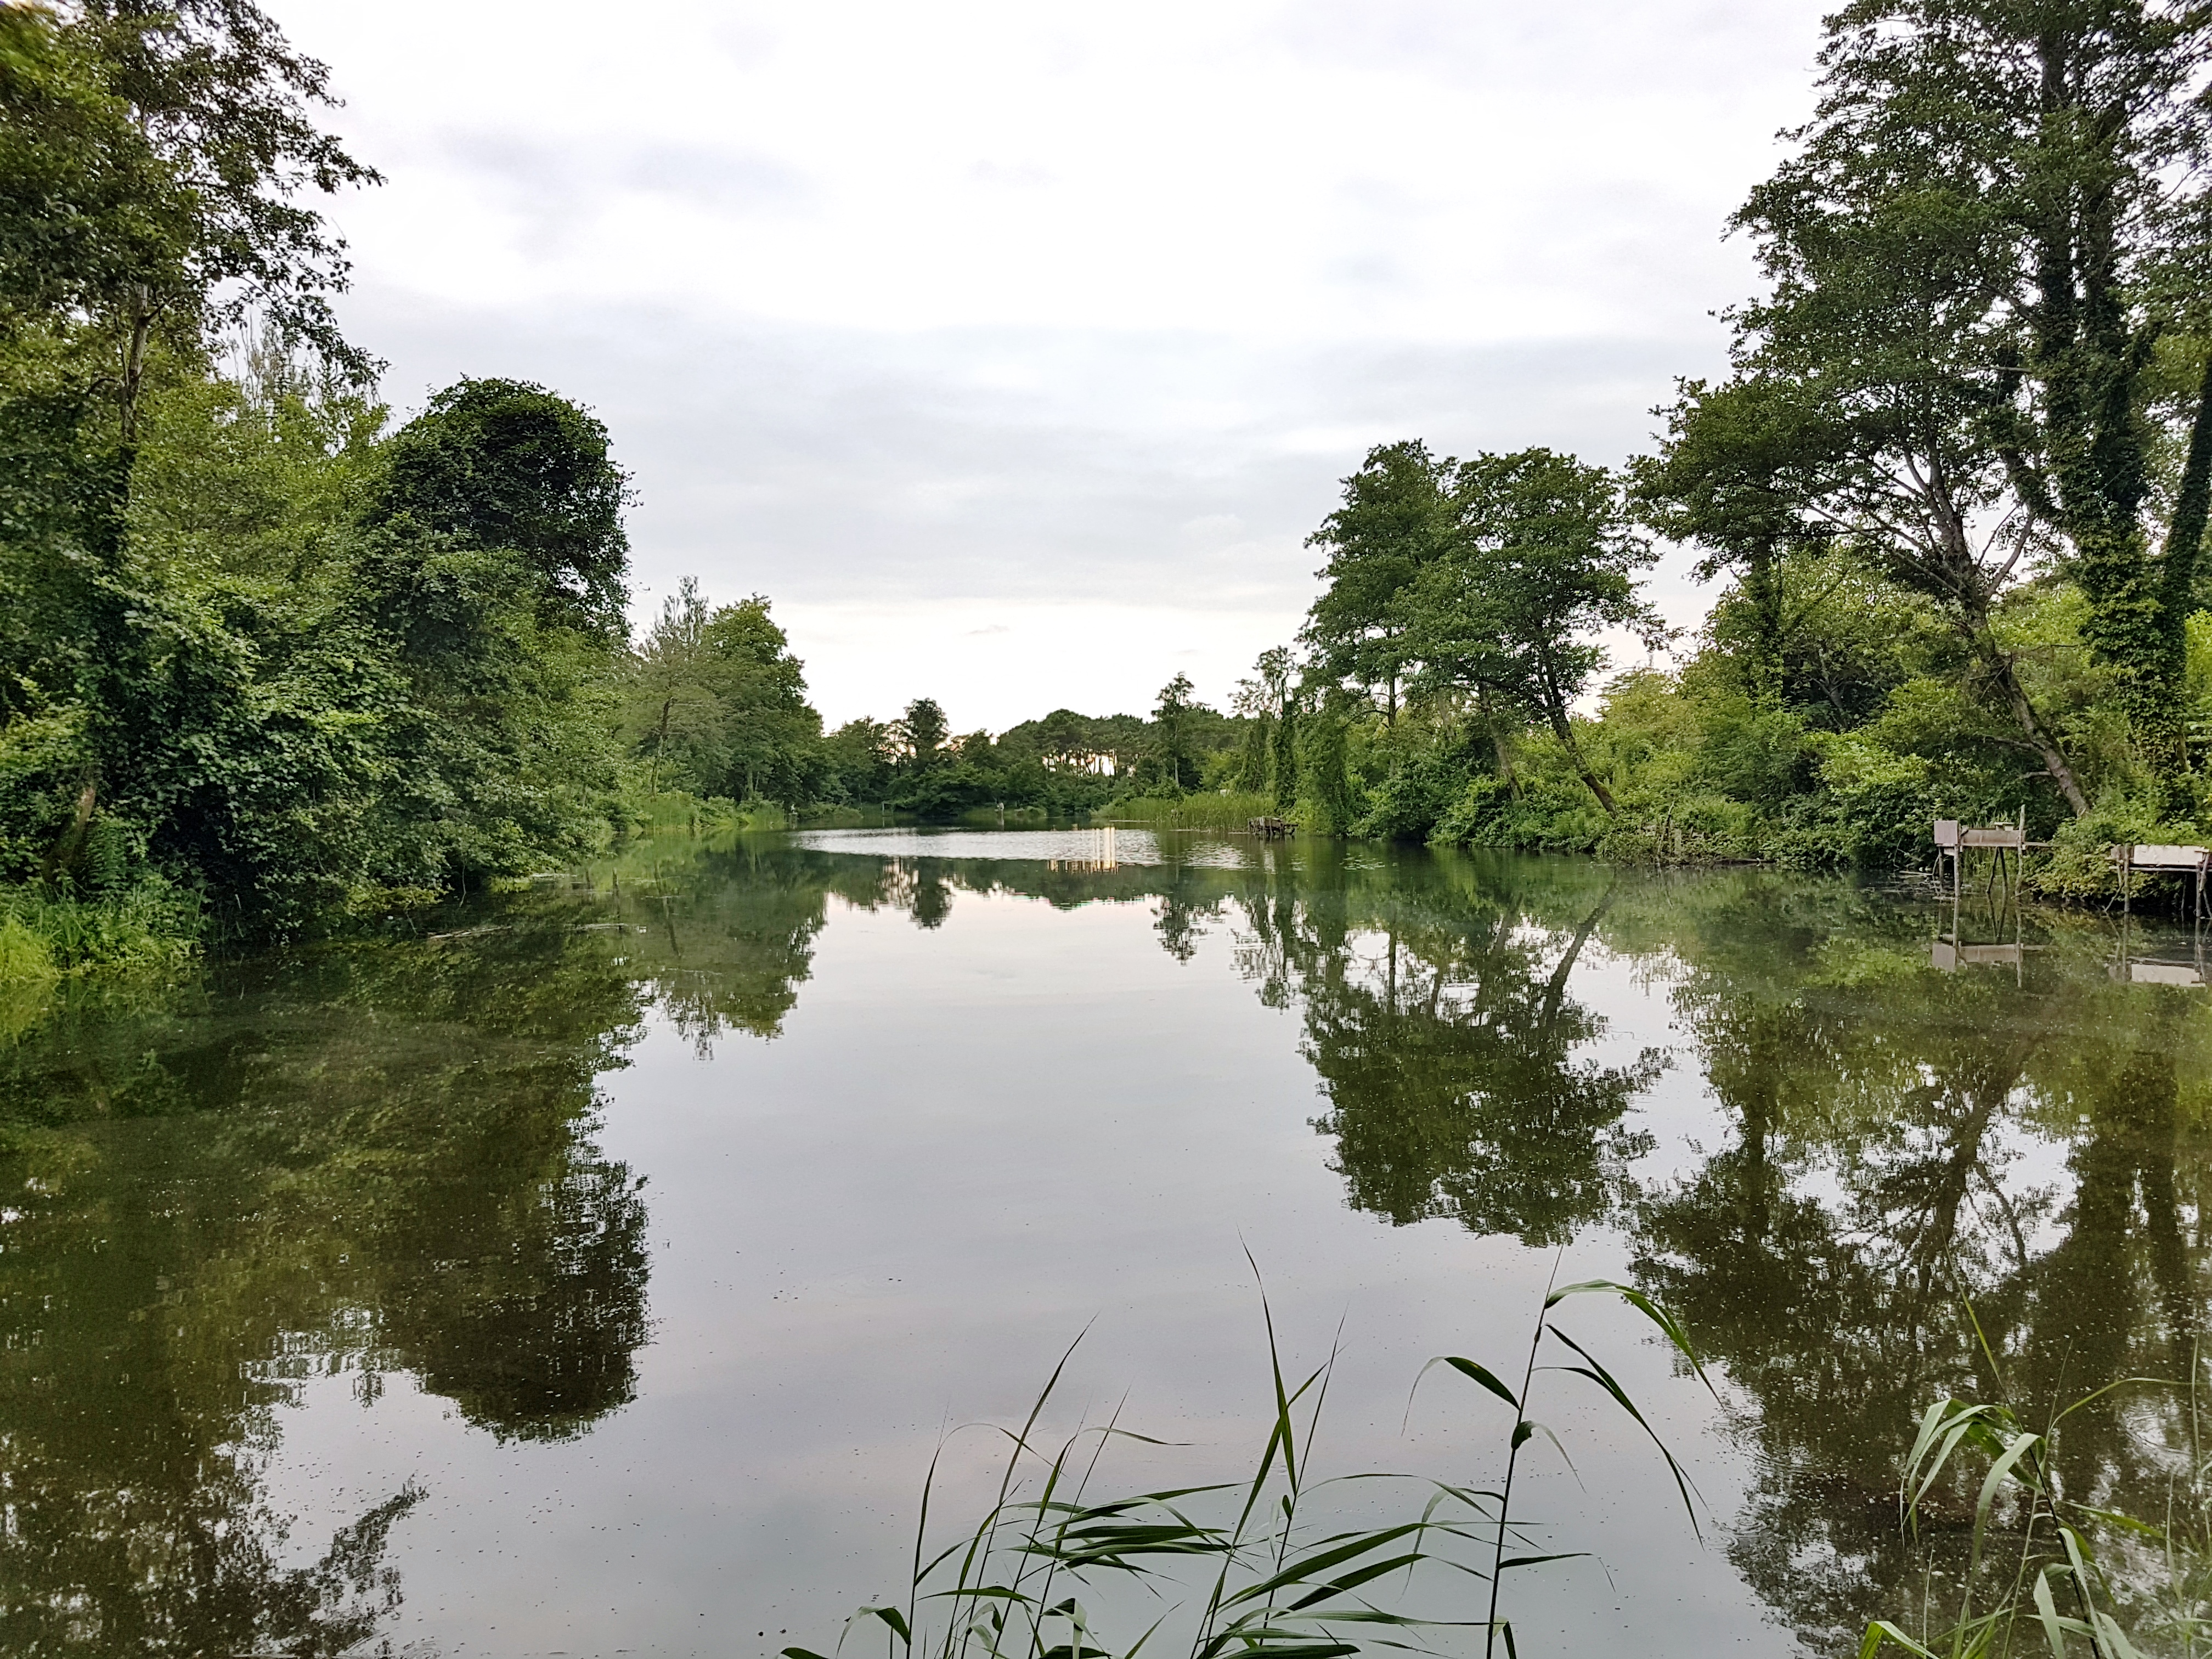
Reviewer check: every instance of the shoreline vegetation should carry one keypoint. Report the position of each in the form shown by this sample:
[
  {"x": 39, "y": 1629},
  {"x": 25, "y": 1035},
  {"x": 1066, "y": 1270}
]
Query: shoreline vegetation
[{"x": 274, "y": 664}]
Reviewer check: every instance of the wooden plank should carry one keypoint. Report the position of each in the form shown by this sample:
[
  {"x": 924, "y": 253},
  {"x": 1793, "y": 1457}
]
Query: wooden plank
[
  {"x": 2167, "y": 858},
  {"x": 2164, "y": 973}
]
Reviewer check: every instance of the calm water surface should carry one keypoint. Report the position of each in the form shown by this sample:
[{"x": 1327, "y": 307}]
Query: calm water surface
[{"x": 600, "y": 1276}]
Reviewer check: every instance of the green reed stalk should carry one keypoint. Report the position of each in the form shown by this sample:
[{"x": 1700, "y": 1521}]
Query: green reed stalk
[{"x": 1273, "y": 1590}]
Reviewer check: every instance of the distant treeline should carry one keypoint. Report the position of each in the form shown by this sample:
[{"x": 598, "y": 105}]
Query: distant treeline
[{"x": 715, "y": 706}]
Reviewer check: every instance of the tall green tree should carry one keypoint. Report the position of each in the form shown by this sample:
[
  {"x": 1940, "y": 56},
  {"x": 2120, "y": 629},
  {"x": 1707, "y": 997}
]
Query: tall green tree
[
  {"x": 87, "y": 204},
  {"x": 508, "y": 464},
  {"x": 772, "y": 734},
  {"x": 717, "y": 702},
  {"x": 1987, "y": 264},
  {"x": 1264, "y": 702},
  {"x": 670, "y": 708},
  {"x": 1542, "y": 556},
  {"x": 1737, "y": 476},
  {"x": 920, "y": 733},
  {"x": 189, "y": 221},
  {"x": 1175, "y": 746},
  {"x": 1394, "y": 522}
]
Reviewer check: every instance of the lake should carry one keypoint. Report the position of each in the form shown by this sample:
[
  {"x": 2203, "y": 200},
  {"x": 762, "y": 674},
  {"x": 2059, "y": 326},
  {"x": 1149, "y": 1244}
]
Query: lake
[{"x": 599, "y": 1271}]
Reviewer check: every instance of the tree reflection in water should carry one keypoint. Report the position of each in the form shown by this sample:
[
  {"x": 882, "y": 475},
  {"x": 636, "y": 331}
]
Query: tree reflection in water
[
  {"x": 381, "y": 1160},
  {"x": 1907, "y": 1153},
  {"x": 375, "y": 1161}
]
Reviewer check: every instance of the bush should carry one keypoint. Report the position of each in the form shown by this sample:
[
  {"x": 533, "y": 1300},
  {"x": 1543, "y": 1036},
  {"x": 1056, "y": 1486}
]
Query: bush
[{"x": 2078, "y": 866}]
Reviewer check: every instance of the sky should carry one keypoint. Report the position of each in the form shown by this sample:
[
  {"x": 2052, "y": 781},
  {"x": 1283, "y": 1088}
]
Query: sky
[{"x": 1013, "y": 350}]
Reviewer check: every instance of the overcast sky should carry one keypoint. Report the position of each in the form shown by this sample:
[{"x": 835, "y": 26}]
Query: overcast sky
[{"x": 1012, "y": 349}]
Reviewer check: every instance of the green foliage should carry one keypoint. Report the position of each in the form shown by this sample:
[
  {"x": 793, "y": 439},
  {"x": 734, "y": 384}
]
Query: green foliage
[
  {"x": 86, "y": 204},
  {"x": 1394, "y": 522},
  {"x": 716, "y": 704},
  {"x": 1224, "y": 809},
  {"x": 257, "y": 660},
  {"x": 507, "y": 465}
]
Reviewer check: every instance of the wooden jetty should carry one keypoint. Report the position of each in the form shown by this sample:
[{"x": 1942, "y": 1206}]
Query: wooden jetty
[
  {"x": 2190, "y": 861},
  {"x": 1955, "y": 840},
  {"x": 1268, "y": 829}
]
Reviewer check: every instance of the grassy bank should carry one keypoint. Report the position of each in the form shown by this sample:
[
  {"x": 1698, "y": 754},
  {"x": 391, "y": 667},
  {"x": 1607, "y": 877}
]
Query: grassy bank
[
  {"x": 45, "y": 937},
  {"x": 1226, "y": 810},
  {"x": 679, "y": 812}
]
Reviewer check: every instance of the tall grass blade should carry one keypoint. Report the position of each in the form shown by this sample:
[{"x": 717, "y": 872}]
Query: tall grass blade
[
  {"x": 1881, "y": 1633},
  {"x": 1604, "y": 1379},
  {"x": 1653, "y": 1310},
  {"x": 1481, "y": 1374}
]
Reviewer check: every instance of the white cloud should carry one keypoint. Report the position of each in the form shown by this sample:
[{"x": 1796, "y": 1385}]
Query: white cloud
[{"x": 895, "y": 310}]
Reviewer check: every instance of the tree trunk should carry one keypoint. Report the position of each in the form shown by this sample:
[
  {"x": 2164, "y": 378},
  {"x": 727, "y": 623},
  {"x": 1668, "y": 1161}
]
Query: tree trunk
[
  {"x": 1762, "y": 588},
  {"x": 1999, "y": 665},
  {"x": 2184, "y": 543},
  {"x": 1565, "y": 731},
  {"x": 1497, "y": 745},
  {"x": 659, "y": 747},
  {"x": 1555, "y": 709}
]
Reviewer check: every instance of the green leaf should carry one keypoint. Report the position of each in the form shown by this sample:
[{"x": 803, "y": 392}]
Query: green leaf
[
  {"x": 1321, "y": 1561},
  {"x": 1353, "y": 1580},
  {"x": 1881, "y": 1632},
  {"x": 890, "y": 1616},
  {"x": 1468, "y": 1368},
  {"x": 1598, "y": 1374},
  {"x": 1651, "y": 1308}
]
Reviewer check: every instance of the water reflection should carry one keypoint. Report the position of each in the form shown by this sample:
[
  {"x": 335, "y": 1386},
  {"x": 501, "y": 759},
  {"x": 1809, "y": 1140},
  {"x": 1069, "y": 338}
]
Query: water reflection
[
  {"x": 381, "y": 1160},
  {"x": 369, "y": 1162},
  {"x": 1932, "y": 1181}
]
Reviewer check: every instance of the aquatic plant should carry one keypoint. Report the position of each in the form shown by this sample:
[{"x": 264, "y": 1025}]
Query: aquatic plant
[
  {"x": 2056, "y": 1585},
  {"x": 45, "y": 934},
  {"x": 1258, "y": 1577}
]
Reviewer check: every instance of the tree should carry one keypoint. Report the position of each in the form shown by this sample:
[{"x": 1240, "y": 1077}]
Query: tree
[
  {"x": 671, "y": 707},
  {"x": 716, "y": 697},
  {"x": 1394, "y": 522},
  {"x": 163, "y": 150},
  {"x": 506, "y": 463},
  {"x": 1541, "y": 555},
  {"x": 1175, "y": 746},
  {"x": 1264, "y": 700},
  {"x": 771, "y": 735},
  {"x": 1737, "y": 475},
  {"x": 86, "y": 204},
  {"x": 921, "y": 733},
  {"x": 1064, "y": 737},
  {"x": 860, "y": 756},
  {"x": 1987, "y": 261}
]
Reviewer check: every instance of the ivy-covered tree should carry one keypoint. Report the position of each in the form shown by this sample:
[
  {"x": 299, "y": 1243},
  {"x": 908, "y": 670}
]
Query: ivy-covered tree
[{"x": 1987, "y": 260}]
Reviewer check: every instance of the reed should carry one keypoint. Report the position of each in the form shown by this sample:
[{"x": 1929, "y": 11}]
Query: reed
[
  {"x": 2050, "y": 1583},
  {"x": 1247, "y": 1572}
]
